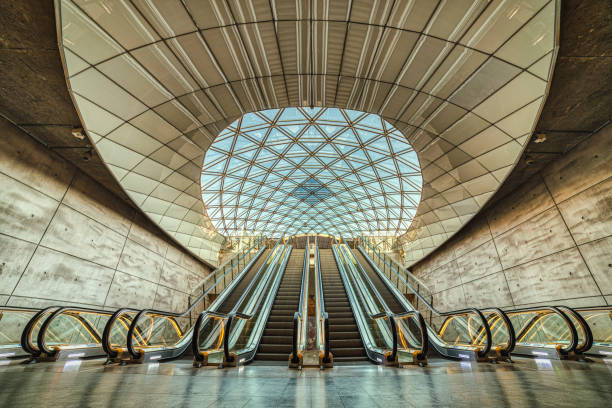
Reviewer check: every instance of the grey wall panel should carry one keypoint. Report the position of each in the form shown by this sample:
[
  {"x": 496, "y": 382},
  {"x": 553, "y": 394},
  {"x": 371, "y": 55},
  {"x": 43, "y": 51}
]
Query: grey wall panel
[
  {"x": 141, "y": 262},
  {"x": 588, "y": 164},
  {"x": 488, "y": 291},
  {"x": 21, "y": 158},
  {"x": 98, "y": 204},
  {"x": 480, "y": 262},
  {"x": 598, "y": 257},
  {"x": 174, "y": 276},
  {"x": 169, "y": 299},
  {"x": 519, "y": 207},
  {"x": 450, "y": 299},
  {"x": 58, "y": 276},
  {"x": 541, "y": 235},
  {"x": 145, "y": 237},
  {"x": 571, "y": 302},
  {"x": 14, "y": 256},
  {"x": 443, "y": 277},
  {"x": 476, "y": 234},
  {"x": 76, "y": 234},
  {"x": 552, "y": 239},
  {"x": 63, "y": 238},
  {"x": 588, "y": 214},
  {"x": 24, "y": 212},
  {"x": 131, "y": 291},
  {"x": 36, "y": 302},
  {"x": 557, "y": 276}
]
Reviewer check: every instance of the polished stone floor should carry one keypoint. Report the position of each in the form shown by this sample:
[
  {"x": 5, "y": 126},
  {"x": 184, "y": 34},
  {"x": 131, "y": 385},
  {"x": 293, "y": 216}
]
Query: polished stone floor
[{"x": 526, "y": 383}]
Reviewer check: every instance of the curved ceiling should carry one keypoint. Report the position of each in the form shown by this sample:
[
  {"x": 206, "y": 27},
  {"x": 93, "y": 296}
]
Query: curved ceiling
[
  {"x": 155, "y": 81},
  {"x": 311, "y": 170}
]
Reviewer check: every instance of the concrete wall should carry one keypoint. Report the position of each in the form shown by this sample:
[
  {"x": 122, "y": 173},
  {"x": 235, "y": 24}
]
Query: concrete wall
[
  {"x": 548, "y": 242},
  {"x": 64, "y": 239}
]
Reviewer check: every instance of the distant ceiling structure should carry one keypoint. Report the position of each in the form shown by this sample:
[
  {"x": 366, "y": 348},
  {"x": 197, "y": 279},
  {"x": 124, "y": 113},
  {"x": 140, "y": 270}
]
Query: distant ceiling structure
[
  {"x": 311, "y": 170},
  {"x": 155, "y": 82}
]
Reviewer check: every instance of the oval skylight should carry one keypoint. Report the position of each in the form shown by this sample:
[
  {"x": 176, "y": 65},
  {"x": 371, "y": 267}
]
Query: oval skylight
[{"x": 311, "y": 170}]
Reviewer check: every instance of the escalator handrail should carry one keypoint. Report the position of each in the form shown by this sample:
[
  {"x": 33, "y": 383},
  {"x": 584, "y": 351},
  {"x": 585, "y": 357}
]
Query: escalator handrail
[
  {"x": 195, "y": 348},
  {"x": 322, "y": 313},
  {"x": 212, "y": 274},
  {"x": 47, "y": 313},
  {"x": 509, "y": 327},
  {"x": 129, "y": 341},
  {"x": 588, "y": 334},
  {"x": 422, "y": 328},
  {"x": 391, "y": 316},
  {"x": 297, "y": 316},
  {"x": 106, "y": 342},
  {"x": 42, "y": 346},
  {"x": 195, "y": 342},
  {"x": 485, "y": 324},
  {"x": 573, "y": 333},
  {"x": 369, "y": 282},
  {"x": 26, "y": 334},
  {"x": 364, "y": 240},
  {"x": 233, "y": 314}
]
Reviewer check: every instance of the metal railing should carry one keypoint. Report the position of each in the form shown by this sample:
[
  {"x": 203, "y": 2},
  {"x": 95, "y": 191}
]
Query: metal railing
[
  {"x": 300, "y": 317},
  {"x": 382, "y": 330},
  {"x": 220, "y": 333},
  {"x": 321, "y": 315},
  {"x": 160, "y": 321},
  {"x": 458, "y": 323}
]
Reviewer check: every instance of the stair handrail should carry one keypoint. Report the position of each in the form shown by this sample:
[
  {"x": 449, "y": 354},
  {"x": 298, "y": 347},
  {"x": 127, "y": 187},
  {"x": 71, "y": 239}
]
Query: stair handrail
[
  {"x": 195, "y": 342},
  {"x": 278, "y": 262},
  {"x": 487, "y": 330},
  {"x": 236, "y": 258},
  {"x": 387, "y": 313},
  {"x": 503, "y": 314},
  {"x": 300, "y": 317}
]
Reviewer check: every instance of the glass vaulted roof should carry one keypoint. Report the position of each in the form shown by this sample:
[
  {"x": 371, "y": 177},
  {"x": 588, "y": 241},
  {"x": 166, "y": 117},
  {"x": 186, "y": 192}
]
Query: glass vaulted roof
[{"x": 311, "y": 170}]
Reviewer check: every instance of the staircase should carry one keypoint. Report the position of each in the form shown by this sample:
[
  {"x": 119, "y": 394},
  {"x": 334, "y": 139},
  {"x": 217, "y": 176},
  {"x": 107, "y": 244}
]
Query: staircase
[
  {"x": 344, "y": 339},
  {"x": 385, "y": 293},
  {"x": 275, "y": 344},
  {"x": 233, "y": 297}
]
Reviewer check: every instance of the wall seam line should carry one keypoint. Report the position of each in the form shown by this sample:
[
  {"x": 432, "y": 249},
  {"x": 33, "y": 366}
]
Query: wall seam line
[
  {"x": 503, "y": 270},
  {"x": 59, "y": 204},
  {"x": 572, "y": 235}
]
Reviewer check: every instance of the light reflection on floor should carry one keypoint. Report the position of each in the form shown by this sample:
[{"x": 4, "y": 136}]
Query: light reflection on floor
[{"x": 526, "y": 383}]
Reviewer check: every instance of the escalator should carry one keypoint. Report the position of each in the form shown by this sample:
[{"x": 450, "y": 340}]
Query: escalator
[
  {"x": 139, "y": 335},
  {"x": 275, "y": 344},
  {"x": 385, "y": 293},
  {"x": 233, "y": 338},
  {"x": 234, "y": 296},
  {"x": 486, "y": 333},
  {"x": 344, "y": 338}
]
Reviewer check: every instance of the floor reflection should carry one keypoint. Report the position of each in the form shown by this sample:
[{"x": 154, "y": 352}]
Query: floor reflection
[{"x": 524, "y": 383}]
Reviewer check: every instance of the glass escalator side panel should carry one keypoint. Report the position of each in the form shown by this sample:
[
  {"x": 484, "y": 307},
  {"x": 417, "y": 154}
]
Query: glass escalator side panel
[
  {"x": 540, "y": 327},
  {"x": 12, "y": 323},
  {"x": 600, "y": 322},
  {"x": 76, "y": 328},
  {"x": 243, "y": 329},
  {"x": 462, "y": 330},
  {"x": 119, "y": 330},
  {"x": 155, "y": 330},
  {"x": 500, "y": 335},
  {"x": 409, "y": 334}
]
